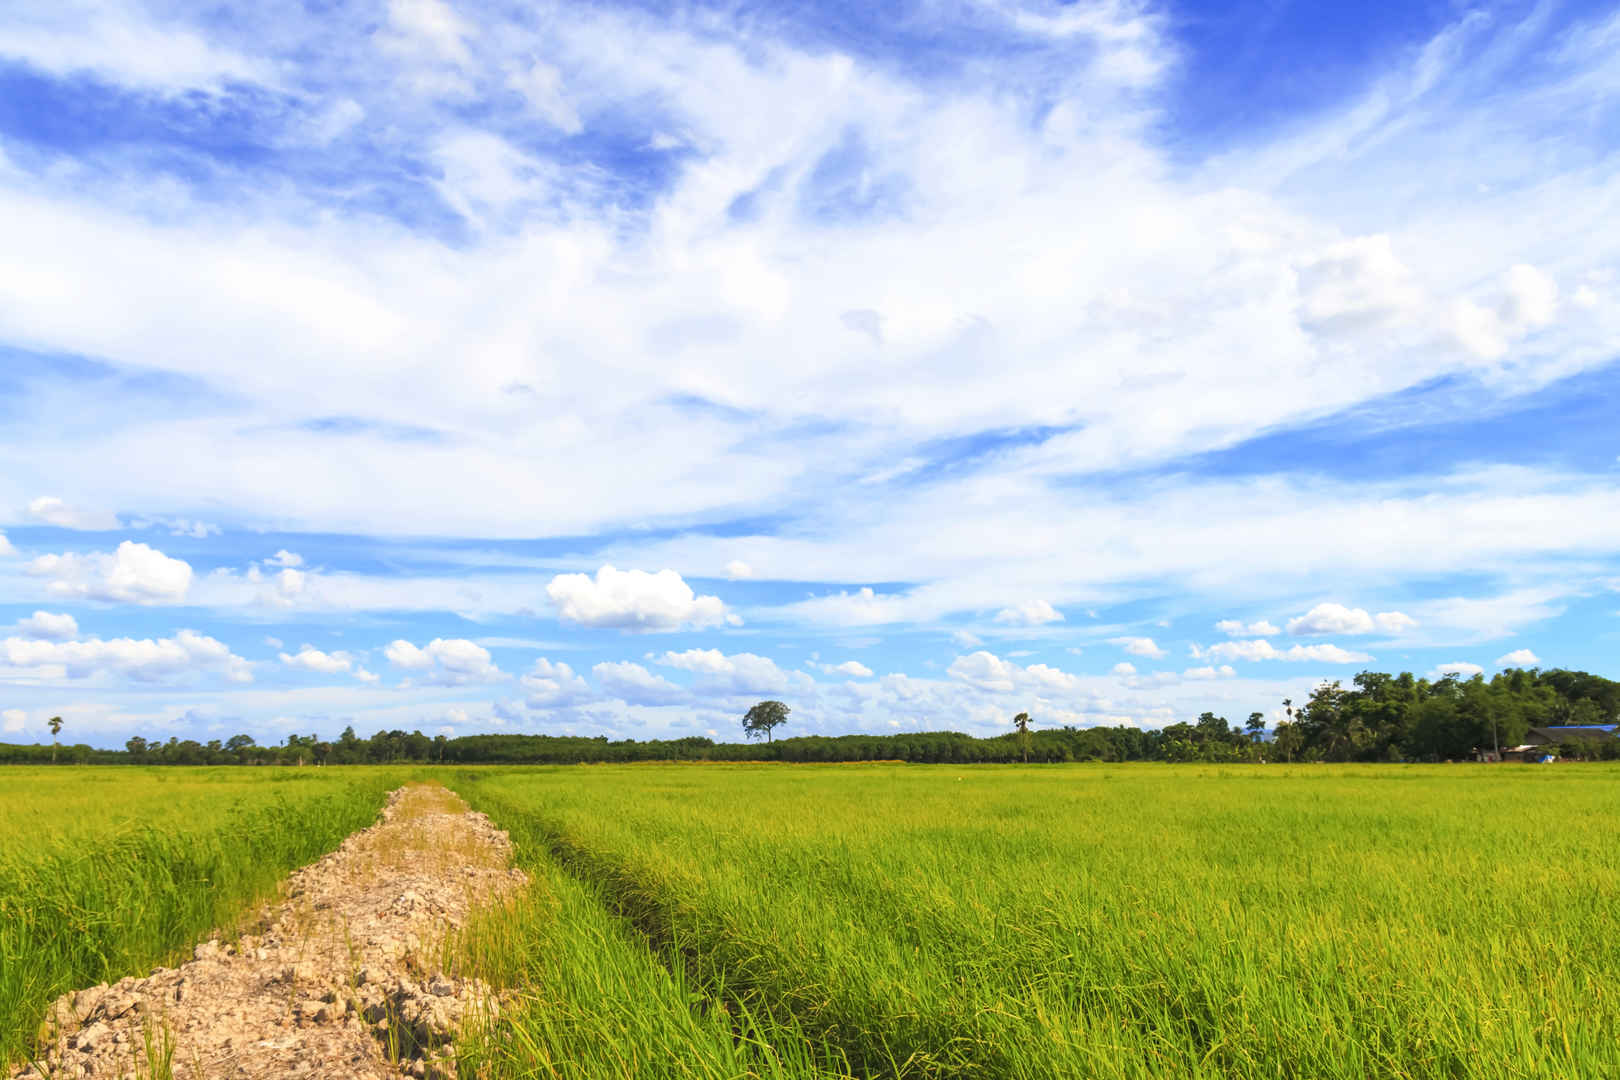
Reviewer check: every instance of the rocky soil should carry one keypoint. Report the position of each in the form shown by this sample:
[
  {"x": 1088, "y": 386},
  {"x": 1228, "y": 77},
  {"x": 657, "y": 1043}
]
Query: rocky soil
[{"x": 344, "y": 978}]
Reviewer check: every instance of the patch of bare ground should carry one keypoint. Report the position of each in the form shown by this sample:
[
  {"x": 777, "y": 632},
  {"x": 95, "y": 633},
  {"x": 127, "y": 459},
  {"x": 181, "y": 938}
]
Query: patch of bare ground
[{"x": 341, "y": 979}]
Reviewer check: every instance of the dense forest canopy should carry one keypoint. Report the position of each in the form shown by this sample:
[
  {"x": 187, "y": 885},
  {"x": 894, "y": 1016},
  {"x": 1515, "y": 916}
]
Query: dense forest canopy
[{"x": 1379, "y": 717}]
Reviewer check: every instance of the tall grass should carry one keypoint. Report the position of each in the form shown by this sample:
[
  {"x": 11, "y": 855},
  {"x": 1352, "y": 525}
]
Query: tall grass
[
  {"x": 588, "y": 1000},
  {"x": 107, "y": 872},
  {"x": 1108, "y": 922}
]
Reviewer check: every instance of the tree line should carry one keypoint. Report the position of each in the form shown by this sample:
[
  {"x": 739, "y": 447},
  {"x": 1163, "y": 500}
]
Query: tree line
[{"x": 1379, "y": 717}]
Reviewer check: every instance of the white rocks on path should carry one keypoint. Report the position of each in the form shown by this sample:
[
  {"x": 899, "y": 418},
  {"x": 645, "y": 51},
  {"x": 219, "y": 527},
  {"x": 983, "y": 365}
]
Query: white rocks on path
[{"x": 342, "y": 981}]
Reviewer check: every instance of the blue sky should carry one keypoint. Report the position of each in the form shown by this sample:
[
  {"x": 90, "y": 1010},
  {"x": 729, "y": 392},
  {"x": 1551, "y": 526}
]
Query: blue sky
[{"x": 606, "y": 368}]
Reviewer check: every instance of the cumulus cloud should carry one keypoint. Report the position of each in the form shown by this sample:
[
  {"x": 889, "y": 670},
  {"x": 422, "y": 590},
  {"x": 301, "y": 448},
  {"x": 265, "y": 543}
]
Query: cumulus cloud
[
  {"x": 285, "y": 558},
  {"x": 1237, "y": 628},
  {"x": 1330, "y": 618},
  {"x": 1518, "y": 658},
  {"x": 1460, "y": 668},
  {"x": 53, "y": 511},
  {"x": 444, "y": 661},
  {"x": 1029, "y": 613},
  {"x": 1224, "y": 671},
  {"x": 310, "y": 658},
  {"x": 47, "y": 626},
  {"x": 134, "y": 574},
  {"x": 5, "y": 546},
  {"x": 1124, "y": 667},
  {"x": 553, "y": 684},
  {"x": 848, "y": 667},
  {"x": 13, "y": 721},
  {"x": 986, "y": 671},
  {"x": 1139, "y": 646},
  {"x": 287, "y": 586},
  {"x": 966, "y": 639},
  {"x": 636, "y": 685},
  {"x": 738, "y": 673},
  {"x": 1261, "y": 649},
  {"x": 186, "y": 654},
  {"x": 737, "y": 570},
  {"x": 635, "y": 601}
]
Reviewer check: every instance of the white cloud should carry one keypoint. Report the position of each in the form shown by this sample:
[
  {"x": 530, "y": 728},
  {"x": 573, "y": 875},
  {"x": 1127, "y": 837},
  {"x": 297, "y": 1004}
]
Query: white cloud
[
  {"x": 1518, "y": 658},
  {"x": 1358, "y": 285},
  {"x": 1460, "y": 668},
  {"x": 1330, "y": 618},
  {"x": 1029, "y": 613},
  {"x": 633, "y": 683},
  {"x": 542, "y": 85},
  {"x": 1124, "y": 667},
  {"x": 553, "y": 684},
  {"x": 1260, "y": 649},
  {"x": 1139, "y": 646},
  {"x": 1531, "y": 298},
  {"x": 1225, "y": 671},
  {"x": 274, "y": 642},
  {"x": 47, "y": 626},
  {"x": 135, "y": 574},
  {"x": 966, "y": 639},
  {"x": 69, "y": 39},
  {"x": 53, "y": 511},
  {"x": 1237, "y": 628},
  {"x": 1488, "y": 616},
  {"x": 1394, "y": 622},
  {"x": 285, "y": 558},
  {"x": 5, "y": 546},
  {"x": 309, "y": 658},
  {"x": 984, "y": 670},
  {"x": 431, "y": 25},
  {"x": 738, "y": 673},
  {"x": 14, "y": 720},
  {"x": 445, "y": 661},
  {"x": 634, "y": 601},
  {"x": 848, "y": 667},
  {"x": 737, "y": 570},
  {"x": 143, "y": 660},
  {"x": 196, "y": 530},
  {"x": 402, "y": 653}
]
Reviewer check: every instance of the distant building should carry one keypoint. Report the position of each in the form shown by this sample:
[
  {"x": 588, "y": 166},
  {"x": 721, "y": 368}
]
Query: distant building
[
  {"x": 1557, "y": 733},
  {"x": 1540, "y": 743}
]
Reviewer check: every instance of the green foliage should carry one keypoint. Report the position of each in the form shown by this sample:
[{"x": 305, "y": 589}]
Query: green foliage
[
  {"x": 764, "y": 717},
  {"x": 1106, "y": 922}
]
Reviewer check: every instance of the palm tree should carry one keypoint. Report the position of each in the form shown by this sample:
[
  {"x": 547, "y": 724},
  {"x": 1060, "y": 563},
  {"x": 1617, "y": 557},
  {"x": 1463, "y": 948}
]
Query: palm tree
[
  {"x": 1021, "y": 722},
  {"x": 55, "y": 724}
]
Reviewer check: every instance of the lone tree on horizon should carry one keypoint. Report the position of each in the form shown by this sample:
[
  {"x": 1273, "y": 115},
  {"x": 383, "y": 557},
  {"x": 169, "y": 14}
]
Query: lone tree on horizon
[
  {"x": 55, "y": 724},
  {"x": 1021, "y": 722},
  {"x": 763, "y": 717}
]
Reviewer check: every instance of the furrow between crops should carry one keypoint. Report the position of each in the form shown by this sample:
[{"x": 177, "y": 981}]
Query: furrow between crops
[
  {"x": 338, "y": 980},
  {"x": 736, "y": 982}
]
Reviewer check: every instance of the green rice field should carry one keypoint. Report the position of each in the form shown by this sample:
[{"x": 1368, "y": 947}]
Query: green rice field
[{"x": 1094, "y": 921}]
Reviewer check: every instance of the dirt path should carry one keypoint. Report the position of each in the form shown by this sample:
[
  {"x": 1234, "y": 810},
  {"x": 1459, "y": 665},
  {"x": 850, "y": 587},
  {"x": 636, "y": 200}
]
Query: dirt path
[{"x": 339, "y": 980}]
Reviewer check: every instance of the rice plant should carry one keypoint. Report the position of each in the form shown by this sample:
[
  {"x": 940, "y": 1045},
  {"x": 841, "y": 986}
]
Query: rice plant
[{"x": 1089, "y": 921}]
